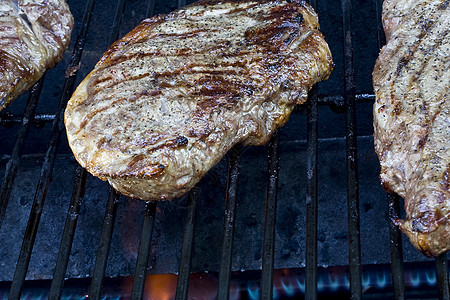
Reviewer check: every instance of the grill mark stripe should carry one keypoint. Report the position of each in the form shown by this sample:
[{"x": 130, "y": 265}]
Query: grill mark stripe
[
  {"x": 131, "y": 99},
  {"x": 404, "y": 61},
  {"x": 156, "y": 140},
  {"x": 193, "y": 33},
  {"x": 110, "y": 78},
  {"x": 184, "y": 70},
  {"x": 420, "y": 39},
  {"x": 95, "y": 112},
  {"x": 112, "y": 61},
  {"x": 422, "y": 66},
  {"x": 430, "y": 118}
]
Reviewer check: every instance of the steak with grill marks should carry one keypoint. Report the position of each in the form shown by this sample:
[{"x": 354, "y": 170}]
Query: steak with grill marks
[
  {"x": 412, "y": 117},
  {"x": 33, "y": 37},
  {"x": 166, "y": 102}
]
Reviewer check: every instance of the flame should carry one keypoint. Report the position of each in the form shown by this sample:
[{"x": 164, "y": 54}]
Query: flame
[
  {"x": 202, "y": 286},
  {"x": 253, "y": 292},
  {"x": 414, "y": 279},
  {"x": 285, "y": 283},
  {"x": 160, "y": 287},
  {"x": 381, "y": 279},
  {"x": 431, "y": 278},
  {"x": 157, "y": 287}
]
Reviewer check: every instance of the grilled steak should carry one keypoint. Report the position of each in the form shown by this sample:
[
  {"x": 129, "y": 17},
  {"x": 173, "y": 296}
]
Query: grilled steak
[
  {"x": 33, "y": 37},
  {"x": 411, "y": 117},
  {"x": 166, "y": 102}
]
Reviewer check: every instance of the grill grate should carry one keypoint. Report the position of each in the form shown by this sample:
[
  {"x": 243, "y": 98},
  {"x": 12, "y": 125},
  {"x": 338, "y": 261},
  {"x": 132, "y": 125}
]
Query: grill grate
[
  {"x": 270, "y": 209},
  {"x": 68, "y": 235},
  {"x": 144, "y": 251},
  {"x": 186, "y": 251},
  {"x": 351, "y": 157},
  {"x": 346, "y": 103},
  {"x": 14, "y": 161},
  {"x": 228, "y": 228},
  {"x": 104, "y": 245},
  {"x": 46, "y": 171},
  {"x": 47, "y": 167}
]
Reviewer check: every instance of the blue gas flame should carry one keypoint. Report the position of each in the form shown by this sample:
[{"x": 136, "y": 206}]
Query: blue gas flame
[
  {"x": 365, "y": 280},
  {"x": 334, "y": 283},
  {"x": 275, "y": 293},
  {"x": 320, "y": 285},
  {"x": 300, "y": 284},
  {"x": 414, "y": 279},
  {"x": 288, "y": 288},
  {"x": 346, "y": 282},
  {"x": 381, "y": 279},
  {"x": 431, "y": 277},
  {"x": 253, "y": 293}
]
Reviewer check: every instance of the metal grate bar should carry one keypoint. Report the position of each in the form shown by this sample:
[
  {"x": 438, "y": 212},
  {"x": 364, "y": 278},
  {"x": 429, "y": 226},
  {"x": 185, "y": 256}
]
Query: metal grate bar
[
  {"x": 9, "y": 120},
  {"x": 311, "y": 192},
  {"x": 269, "y": 221},
  {"x": 442, "y": 276},
  {"x": 104, "y": 245},
  {"x": 68, "y": 235},
  {"x": 144, "y": 251},
  {"x": 186, "y": 250},
  {"x": 311, "y": 197},
  {"x": 116, "y": 22},
  {"x": 381, "y": 38},
  {"x": 150, "y": 8},
  {"x": 181, "y": 3},
  {"x": 351, "y": 157},
  {"x": 47, "y": 167},
  {"x": 14, "y": 161},
  {"x": 223, "y": 291},
  {"x": 398, "y": 275}
]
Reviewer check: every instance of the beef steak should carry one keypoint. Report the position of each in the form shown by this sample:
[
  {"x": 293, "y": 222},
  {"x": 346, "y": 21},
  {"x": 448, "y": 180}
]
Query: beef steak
[
  {"x": 166, "y": 102},
  {"x": 33, "y": 37},
  {"x": 411, "y": 117}
]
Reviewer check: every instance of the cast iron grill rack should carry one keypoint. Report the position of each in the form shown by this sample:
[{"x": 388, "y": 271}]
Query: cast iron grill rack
[{"x": 346, "y": 102}]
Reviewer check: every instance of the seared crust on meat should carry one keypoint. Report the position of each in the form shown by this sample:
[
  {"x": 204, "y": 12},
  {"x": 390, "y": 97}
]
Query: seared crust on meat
[
  {"x": 33, "y": 37},
  {"x": 411, "y": 117},
  {"x": 167, "y": 101}
]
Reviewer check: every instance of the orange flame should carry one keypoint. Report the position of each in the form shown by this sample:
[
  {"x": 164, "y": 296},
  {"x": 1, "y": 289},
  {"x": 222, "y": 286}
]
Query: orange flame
[
  {"x": 160, "y": 287},
  {"x": 163, "y": 287}
]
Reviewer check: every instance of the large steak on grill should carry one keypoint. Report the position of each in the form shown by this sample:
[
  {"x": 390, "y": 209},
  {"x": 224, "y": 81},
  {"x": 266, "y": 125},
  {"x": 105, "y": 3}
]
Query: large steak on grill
[
  {"x": 166, "y": 102},
  {"x": 33, "y": 37},
  {"x": 412, "y": 117}
]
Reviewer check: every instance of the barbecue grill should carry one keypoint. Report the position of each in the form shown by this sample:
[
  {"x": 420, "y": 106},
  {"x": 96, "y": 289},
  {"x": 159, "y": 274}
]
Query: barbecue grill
[{"x": 303, "y": 217}]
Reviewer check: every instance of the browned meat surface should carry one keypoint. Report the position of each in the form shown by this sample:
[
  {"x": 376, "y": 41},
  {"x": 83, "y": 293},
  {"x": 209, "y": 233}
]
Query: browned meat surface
[
  {"x": 33, "y": 37},
  {"x": 411, "y": 117},
  {"x": 167, "y": 101}
]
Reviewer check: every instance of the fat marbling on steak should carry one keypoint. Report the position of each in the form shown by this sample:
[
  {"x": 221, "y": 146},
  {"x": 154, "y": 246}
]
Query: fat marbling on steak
[
  {"x": 166, "y": 102},
  {"x": 411, "y": 117},
  {"x": 33, "y": 37}
]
